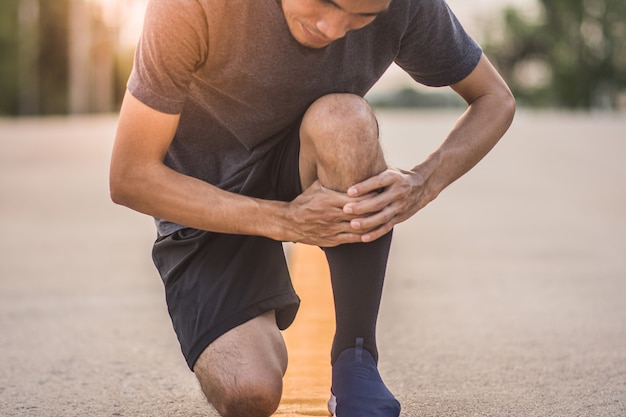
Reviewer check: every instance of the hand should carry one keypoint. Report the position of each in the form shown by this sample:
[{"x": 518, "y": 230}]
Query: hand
[
  {"x": 385, "y": 200},
  {"x": 317, "y": 217}
]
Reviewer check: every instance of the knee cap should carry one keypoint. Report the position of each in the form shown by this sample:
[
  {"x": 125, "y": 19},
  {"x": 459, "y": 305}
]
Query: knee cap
[
  {"x": 251, "y": 400},
  {"x": 343, "y": 109}
]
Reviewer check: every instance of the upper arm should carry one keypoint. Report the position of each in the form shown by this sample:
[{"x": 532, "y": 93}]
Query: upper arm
[
  {"x": 172, "y": 46},
  {"x": 143, "y": 137},
  {"x": 483, "y": 80}
]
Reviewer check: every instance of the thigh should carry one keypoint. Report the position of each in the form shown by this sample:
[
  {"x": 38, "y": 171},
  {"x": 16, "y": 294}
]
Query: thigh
[
  {"x": 217, "y": 282},
  {"x": 249, "y": 360}
]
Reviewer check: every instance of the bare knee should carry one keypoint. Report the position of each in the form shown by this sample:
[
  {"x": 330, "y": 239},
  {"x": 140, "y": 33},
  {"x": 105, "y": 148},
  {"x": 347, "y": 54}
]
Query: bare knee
[
  {"x": 340, "y": 116},
  {"x": 340, "y": 141},
  {"x": 241, "y": 372},
  {"x": 341, "y": 106},
  {"x": 249, "y": 396}
]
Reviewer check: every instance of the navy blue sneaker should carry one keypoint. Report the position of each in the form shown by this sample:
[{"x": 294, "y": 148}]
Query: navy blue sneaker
[{"x": 358, "y": 390}]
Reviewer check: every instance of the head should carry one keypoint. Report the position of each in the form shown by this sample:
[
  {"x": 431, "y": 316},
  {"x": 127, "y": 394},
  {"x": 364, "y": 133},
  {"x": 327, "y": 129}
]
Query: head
[{"x": 317, "y": 23}]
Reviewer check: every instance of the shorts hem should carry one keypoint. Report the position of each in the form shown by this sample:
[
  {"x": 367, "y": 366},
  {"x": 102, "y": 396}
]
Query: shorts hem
[{"x": 285, "y": 304}]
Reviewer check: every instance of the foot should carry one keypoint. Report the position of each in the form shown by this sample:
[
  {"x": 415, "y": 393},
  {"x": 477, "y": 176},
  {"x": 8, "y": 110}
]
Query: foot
[{"x": 358, "y": 390}]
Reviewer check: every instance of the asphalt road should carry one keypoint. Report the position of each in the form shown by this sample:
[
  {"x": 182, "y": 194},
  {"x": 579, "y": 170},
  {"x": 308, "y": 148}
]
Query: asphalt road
[{"x": 505, "y": 297}]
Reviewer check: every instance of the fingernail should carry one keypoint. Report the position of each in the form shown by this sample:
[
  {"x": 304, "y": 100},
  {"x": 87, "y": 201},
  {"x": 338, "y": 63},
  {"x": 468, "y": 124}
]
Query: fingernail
[
  {"x": 352, "y": 191},
  {"x": 355, "y": 224},
  {"x": 348, "y": 209}
]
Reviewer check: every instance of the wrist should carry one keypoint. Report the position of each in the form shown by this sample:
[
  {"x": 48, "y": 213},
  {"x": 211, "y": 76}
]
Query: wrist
[
  {"x": 275, "y": 224},
  {"x": 427, "y": 178}
]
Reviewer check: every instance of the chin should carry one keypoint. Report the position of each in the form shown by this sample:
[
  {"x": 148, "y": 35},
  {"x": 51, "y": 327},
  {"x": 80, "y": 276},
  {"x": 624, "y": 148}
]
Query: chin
[{"x": 304, "y": 39}]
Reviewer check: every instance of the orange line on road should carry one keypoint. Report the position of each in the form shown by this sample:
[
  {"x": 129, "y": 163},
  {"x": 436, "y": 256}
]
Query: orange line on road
[{"x": 307, "y": 382}]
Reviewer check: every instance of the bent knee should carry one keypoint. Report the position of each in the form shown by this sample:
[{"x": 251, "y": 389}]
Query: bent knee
[
  {"x": 340, "y": 113},
  {"x": 339, "y": 142},
  {"x": 340, "y": 126}
]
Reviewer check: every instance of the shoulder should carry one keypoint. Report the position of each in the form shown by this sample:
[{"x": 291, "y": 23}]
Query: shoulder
[
  {"x": 172, "y": 12},
  {"x": 415, "y": 15}
]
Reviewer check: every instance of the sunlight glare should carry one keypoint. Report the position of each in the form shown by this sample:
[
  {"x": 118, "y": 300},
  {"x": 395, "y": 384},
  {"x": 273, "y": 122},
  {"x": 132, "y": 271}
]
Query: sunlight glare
[{"x": 124, "y": 15}]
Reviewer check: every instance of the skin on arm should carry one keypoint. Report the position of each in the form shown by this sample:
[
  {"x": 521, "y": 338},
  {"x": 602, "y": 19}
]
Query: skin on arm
[
  {"x": 490, "y": 111},
  {"x": 319, "y": 216},
  {"x": 141, "y": 181}
]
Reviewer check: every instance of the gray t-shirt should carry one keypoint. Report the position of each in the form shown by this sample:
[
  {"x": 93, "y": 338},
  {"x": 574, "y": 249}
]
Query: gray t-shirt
[{"x": 239, "y": 79}]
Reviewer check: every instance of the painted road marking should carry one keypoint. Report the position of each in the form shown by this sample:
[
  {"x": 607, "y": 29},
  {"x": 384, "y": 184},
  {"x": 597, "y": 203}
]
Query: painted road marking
[{"x": 308, "y": 377}]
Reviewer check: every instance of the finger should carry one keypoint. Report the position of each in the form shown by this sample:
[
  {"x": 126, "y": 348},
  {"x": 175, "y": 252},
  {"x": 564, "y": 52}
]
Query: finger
[
  {"x": 372, "y": 184},
  {"x": 339, "y": 239},
  {"x": 374, "y": 204},
  {"x": 349, "y": 207},
  {"x": 340, "y": 199},
  {"x": 320, "y": 196},
  {"x": 363, "y": 224},
  {"x": 377, "y": 233},
  {"x": 364, "y": 208}
]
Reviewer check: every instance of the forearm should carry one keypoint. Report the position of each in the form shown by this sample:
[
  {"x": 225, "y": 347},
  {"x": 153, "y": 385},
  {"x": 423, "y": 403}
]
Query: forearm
[
  {"x": 140, "y": 180},
  {"x": 476, "y": 132},
  {"x": 161, "y": 192}
]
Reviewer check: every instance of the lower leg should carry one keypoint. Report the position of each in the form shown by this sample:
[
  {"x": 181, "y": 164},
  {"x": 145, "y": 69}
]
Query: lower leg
[
  {"x": 357, "y": 275},
  {"x": 340, "y": 147}
]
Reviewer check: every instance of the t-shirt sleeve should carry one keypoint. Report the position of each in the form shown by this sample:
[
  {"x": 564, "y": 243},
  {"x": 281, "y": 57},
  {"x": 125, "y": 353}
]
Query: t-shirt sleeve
[
  {"x": 173, "y": 44},
  {"x": 436, "y": 50}
]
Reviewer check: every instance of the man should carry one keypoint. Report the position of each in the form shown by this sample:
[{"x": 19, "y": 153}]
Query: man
[{"x": 243, "y": 127}]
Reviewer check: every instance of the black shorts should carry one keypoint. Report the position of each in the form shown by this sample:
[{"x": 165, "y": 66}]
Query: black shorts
[{"x": 215, "y": 282}]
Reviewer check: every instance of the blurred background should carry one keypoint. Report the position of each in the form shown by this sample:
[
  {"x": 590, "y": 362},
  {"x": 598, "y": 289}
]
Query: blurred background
[
  {"x": 74, "y": 56},
  {"x": 505, "y": 297}
]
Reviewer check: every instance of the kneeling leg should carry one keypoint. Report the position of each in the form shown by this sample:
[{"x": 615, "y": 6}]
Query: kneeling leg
[{"x": 241, "y": 372}]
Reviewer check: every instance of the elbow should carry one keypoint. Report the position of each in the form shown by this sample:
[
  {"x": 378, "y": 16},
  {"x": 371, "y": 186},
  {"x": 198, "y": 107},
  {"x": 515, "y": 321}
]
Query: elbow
[
  {"x": 505, "y": 106},
  {"x": 116, "y": 195},
  {"x": 510, "y": 105},
  {"x": 120, "y": 186},
  {"x": 507, "y": 101},
  {"x": 117, "y": 191}
]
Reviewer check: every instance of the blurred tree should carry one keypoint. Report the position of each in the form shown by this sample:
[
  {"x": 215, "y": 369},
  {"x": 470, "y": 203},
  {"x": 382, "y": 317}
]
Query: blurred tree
[
  {"x": 33, "y": 56},
  {"x": 28, "y": 57},
  {"x": 8, "y": 57},
  {"x": 53, "y": 56},
  {"x": 40, "y": 61},
  {"x": 572, "y": 55}
]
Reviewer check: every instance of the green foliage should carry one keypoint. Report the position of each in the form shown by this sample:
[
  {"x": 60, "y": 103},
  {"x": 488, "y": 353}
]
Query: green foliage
[
  {"x": 573, "y": 55},
  {"x": 8, "y": 57},
  {"x": 53, "y": 56},
  {"x": 35, "y": 56}
]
